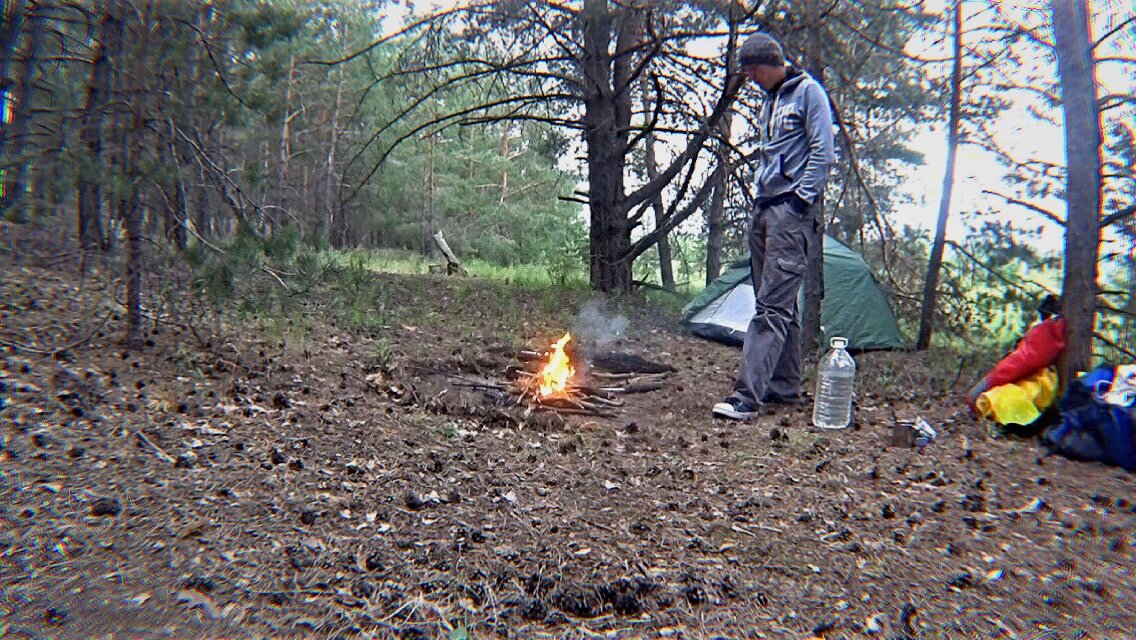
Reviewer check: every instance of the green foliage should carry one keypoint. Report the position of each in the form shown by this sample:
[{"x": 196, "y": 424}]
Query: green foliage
[
  {"x": 264, "y": 23},
  {"x": 247, "y": 123},
  {"x": 989, "y": 290},
  {"x": 884, "y": 97},
  {"x": 249, "y": 270},
  {"x": 357, "y": 300},
  {"x": 384, "y": 352},
  {"x": 490, "y": 190},
  {"x": 1117, "y": 310},
  {"x": 529, "y": 276},
  {"x": 565, "y": 259},
  {"x": 281, "y": 283}
]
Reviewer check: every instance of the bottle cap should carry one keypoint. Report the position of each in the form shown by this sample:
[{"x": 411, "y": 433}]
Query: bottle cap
[{"x": 838, "y": 343}]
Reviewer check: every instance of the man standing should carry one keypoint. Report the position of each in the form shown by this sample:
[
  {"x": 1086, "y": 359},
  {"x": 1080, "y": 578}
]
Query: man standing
[{"x": 796, "y": 136}]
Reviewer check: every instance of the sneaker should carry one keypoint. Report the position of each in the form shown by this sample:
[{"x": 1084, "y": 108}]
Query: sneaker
[{"x": 734, "y": 409}]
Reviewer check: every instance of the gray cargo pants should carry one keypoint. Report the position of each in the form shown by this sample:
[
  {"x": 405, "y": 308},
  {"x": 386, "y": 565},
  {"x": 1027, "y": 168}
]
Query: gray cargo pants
[{"x": 771, "y": 355}]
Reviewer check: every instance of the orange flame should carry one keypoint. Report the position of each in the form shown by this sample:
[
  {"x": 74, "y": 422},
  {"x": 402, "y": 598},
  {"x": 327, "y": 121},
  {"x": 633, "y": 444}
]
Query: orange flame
[{"x": 555, "y": 375}]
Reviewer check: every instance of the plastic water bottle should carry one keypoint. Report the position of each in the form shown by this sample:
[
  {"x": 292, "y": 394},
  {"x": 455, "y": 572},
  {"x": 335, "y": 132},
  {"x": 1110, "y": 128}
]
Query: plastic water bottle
[{"x": 835, "y": 375}]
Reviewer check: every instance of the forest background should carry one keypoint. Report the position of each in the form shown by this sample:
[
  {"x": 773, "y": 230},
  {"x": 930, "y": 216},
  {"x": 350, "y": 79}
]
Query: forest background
[{"x": 238, "y": 151}]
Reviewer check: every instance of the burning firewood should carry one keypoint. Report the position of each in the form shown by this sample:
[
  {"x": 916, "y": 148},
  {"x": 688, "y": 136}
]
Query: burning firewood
[
  {"x": 564, "y": 383},
  {"x": 557, "y": 386}
]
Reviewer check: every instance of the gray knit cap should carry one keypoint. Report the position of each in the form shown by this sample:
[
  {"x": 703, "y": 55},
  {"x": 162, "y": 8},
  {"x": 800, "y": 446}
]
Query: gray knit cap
[{"x": 761, "y": 49}]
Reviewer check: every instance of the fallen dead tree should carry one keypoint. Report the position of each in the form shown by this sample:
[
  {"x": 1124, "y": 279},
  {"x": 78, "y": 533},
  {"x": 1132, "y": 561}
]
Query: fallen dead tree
[{"x": 453, "y": 266}]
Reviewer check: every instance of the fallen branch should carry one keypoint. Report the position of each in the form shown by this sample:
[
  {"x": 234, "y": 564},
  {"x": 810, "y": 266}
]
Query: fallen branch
[
  {"x": 453, "y": 265},
  {"x": 640, "y": 387},
  {"x": 570, "y": 411},
  {"x": 741, "y": 529},
  {"x": 161, "y": 453},
  {"x": 656, "y": 287},
  {"x": 607, "y": 375},
  {"x": 57, "y": 350}
]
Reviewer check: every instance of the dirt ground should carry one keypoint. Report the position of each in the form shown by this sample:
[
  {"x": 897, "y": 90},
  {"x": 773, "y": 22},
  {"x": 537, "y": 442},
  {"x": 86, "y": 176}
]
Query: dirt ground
[{"x": 322, "y": 483}]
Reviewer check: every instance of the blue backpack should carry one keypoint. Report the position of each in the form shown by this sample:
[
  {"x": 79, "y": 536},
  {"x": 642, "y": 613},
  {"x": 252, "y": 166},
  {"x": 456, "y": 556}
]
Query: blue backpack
[{"x": 1091, "y": 429}]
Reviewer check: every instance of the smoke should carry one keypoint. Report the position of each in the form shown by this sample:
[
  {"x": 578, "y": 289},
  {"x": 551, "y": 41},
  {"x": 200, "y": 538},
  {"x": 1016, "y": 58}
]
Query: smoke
[{"x": 596, "y": 326}]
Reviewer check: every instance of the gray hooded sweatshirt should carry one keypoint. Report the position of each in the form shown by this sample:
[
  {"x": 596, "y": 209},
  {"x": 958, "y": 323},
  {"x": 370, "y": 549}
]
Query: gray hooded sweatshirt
[{"x": 797, "y": 146}]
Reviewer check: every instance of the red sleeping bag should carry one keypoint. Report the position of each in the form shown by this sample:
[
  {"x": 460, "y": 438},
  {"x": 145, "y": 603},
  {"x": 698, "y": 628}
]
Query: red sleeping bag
[{"x": 1041, "y": 347}]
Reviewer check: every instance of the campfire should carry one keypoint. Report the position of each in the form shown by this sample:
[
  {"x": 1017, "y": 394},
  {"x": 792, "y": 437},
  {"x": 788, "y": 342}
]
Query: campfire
[
  {"x": 558, "y": 371},
  {"x": 560, "y": 385}
]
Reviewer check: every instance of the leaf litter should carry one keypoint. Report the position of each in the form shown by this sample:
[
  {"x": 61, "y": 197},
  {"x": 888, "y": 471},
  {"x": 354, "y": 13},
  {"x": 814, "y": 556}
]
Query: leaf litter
[{"x": 336, "y": 495}]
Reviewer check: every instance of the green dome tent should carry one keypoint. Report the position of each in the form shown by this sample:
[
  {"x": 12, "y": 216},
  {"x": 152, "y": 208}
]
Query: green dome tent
[{"x": 854, "y": 305}]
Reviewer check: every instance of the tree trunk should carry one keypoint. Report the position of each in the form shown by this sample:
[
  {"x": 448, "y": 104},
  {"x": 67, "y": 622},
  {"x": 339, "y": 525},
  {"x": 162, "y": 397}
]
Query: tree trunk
[
  {"x": 934, "y": 265},
  {"x": 715, "y": 212},
  {"x": 606, "y": 119},
  {"x": 132, "y": 218},
  {"x": 283, "y": 182},
  {"x": 15, "y": 163},
  {"x": 814, "y": 270},
  {"x": 328, "y": 220},
  {"x": 1075, "y": 69},
  {"x": 175, "y": 213},
  {"x": 202, "y": 220},
  {"x": 666, "y": 265},
  {"x": 505, "y": 145},
  {"x": 89, "y": 184},
  {"x": 1128, "y": 336},
  {"x": 427, "y": 230},
  {"x": 134, "y": 138},
  {"x": 9, "y": 35},
  {"x": 54, "y": 175}
]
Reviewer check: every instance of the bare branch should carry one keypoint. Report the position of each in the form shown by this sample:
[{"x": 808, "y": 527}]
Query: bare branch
[
  {"x": 1053, "y": 217},
  {"x": 428, "y": 20},
  {"x": 673, "y": 220},
  {"x": 1108, "y": 308},
  {"x": 1113, "y": 31},
  {"x": 1114, "y": 345},
  {"x": 1115, "y": 100},
  {"x": 883, "y": 227},
  {"x": 205, "y": 44},
  {"x": 733, "y": 84},
  {"x": 880, "y": 45},
  {"x": 1032, "y": 34},
  {"x": 997, "y": 274},
  {"x": 443, "y": 122},
  {"x": 1118, "y": 216}
]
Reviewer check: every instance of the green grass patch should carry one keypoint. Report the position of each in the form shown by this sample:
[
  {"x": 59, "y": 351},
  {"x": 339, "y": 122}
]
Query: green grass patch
[
  {"x": 380, "y": 260},
  {"x": 529, "y": 276}
]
